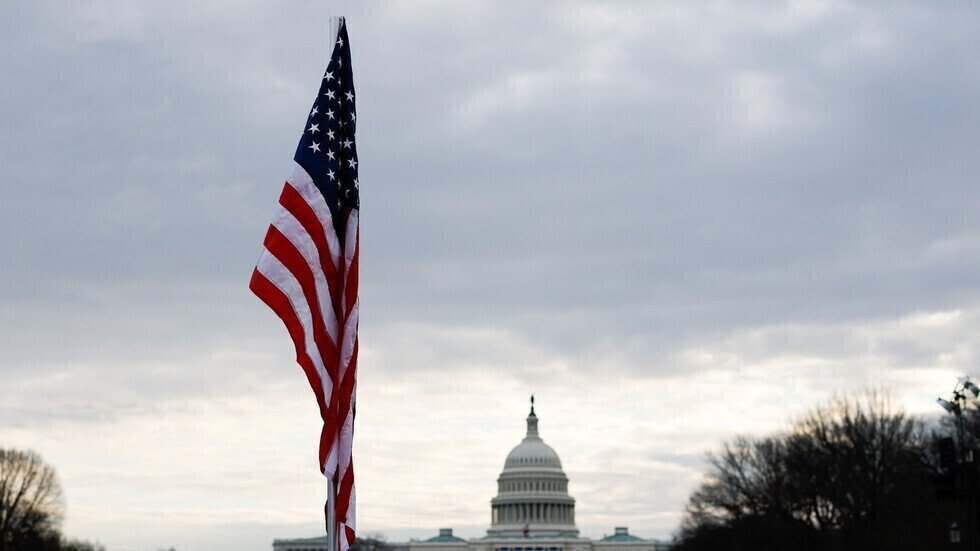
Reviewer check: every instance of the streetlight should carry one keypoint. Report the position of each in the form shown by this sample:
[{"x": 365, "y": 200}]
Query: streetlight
[
  {"x": 950, "y": 407},
  {"x": 964, "y": 394},
  {"x": 954, "y": 533},
  {"x": 968, "y": 384}
]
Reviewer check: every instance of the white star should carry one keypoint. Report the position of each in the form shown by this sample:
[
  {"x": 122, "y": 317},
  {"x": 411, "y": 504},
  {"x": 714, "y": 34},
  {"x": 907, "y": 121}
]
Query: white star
[
  {"x": 349, "y": 95},
  {"x": 347, "y": 143},
  {"x": 330, "y": 134},
  {"x": 315, "y": 147},
  {"x": 330, "y": 173},
  {"x": 314, "y": 111},
  {"x": 356, "y": 184},
  {"x": 330, "y": 113},
  {"x": 330, "y": 154},
  {"x": 353, "y": 163},
  {"x": 314, "y": 128},
  {"x": 329, "y": 94},
  {"x": 340, "y": 41},
  {"x": 353, "y": 117},
  {"x": 328, "y": 76}
]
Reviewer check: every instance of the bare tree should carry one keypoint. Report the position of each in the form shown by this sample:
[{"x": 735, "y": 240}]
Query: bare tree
[
  {"x": 371, "y": 542},
  {"x": 31, "y": 502},
  {"x": 848, "y": 475}
]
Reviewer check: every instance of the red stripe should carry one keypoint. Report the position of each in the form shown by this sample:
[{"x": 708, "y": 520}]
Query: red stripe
[
  {"x": 292, "y": 201},
  {"x": 275, "y": 299},
  {"x": 342, "y": 287},
  {"x": 279, "y": 303},
  {"x": 345, "y": 393},
  {"x": 287, "y": 253},
  {"x": 351, "y": 285},
  {"x": 343, "y": 493}
]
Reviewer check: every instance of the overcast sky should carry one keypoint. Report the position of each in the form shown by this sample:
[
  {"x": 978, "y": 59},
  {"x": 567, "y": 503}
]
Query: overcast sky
[{"x": 672, "y": 223}]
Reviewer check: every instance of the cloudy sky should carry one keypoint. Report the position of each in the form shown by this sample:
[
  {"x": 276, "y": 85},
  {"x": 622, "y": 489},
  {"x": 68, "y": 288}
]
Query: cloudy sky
[{"x": 672, "y": 223}]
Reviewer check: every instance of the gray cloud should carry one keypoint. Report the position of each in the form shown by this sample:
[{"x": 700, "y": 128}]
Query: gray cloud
[{"x": 569, "y": 190}]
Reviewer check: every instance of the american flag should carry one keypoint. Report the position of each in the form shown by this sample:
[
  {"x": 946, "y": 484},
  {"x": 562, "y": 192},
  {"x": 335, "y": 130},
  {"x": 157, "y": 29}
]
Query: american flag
[{"x": 308, "y": 271}]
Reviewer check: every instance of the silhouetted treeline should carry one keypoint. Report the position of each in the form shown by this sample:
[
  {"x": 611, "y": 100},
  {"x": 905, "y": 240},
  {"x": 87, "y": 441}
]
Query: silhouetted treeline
[
  {"x": 853, "y": 474},
  {"x": 371, "y": 542},
  {"x": 32, "y": 506}
]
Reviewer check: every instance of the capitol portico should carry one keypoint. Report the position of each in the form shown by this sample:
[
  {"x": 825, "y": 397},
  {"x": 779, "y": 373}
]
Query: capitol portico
[{"x": 532, "y": 511}]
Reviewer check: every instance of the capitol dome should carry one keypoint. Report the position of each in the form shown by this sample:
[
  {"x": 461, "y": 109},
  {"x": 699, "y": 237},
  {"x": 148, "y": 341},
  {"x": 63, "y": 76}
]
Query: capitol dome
[
  {"x": 532, "y": 491},
  {"x": 532, "y": 452}
]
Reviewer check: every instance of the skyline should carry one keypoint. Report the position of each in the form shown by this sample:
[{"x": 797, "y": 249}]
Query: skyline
[{"x": 672, "y": 224}]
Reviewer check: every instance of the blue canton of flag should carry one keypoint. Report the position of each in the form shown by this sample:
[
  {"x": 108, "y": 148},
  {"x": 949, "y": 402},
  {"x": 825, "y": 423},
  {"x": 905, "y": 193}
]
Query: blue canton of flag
[{"x": 327, "y": 150}]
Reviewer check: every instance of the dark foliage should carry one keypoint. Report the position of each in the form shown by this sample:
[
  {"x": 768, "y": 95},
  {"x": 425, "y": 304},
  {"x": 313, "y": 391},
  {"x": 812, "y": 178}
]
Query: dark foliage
[
  {"x": 369, "y": 543},
  {"x": 854, "y": 474},
  {"x": 32, "y": 506}
]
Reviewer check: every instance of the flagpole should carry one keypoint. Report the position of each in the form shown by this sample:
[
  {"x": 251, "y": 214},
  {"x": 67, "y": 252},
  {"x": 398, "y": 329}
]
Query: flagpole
[
  {"x": 332, "y": 541},
  {"x": 331, "y": 517}
]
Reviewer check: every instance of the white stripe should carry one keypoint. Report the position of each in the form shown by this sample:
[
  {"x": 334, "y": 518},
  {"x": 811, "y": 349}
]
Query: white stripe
[
  {"x": 290, "y": 227},
  {"x": 350, "y": 335},
  {"x": 344, "y": 545},
  {"x": 303, "y": 184},
  {"x": 274, "y": 270},
  {"x": 350, "y": 247},
  {"x": 352, "y": 510},
  {"x": 330, "y": 465},
  {"x": 346, "y": 439}
]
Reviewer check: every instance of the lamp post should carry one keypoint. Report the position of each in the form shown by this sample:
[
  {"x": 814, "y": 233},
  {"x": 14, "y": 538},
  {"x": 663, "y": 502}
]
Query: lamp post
[
  {"x": 956, "y": 406},
  {"x": 964, "y": 394}
]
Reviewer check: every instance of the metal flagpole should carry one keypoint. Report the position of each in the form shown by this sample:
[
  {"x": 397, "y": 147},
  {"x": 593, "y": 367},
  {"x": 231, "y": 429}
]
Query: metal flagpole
[
  {"x": 332, "y": 540},
  {"x": 331, "y": 517}
]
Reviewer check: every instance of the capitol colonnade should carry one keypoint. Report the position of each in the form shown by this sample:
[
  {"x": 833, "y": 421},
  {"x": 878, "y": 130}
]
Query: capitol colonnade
[{"x": 549, "y": 513}]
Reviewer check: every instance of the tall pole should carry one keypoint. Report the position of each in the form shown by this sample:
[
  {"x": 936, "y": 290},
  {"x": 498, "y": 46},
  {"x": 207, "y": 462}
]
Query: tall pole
[
  {"x": 332, "y": 541},
  {"x": 331, "y": 516}
]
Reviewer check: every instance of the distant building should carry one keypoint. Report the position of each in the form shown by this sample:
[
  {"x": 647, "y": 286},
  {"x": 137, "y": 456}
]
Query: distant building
[{"x": 531, "y": 512}]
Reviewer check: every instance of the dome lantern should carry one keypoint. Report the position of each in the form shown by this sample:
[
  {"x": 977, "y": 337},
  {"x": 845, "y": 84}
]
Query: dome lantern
[{"x": 532, "y": 422}]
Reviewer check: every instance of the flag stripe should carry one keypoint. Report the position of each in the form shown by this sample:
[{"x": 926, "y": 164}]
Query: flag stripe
[
  {"x": 292, "y": 230},
  {"x": 301, "y": 182},
  {"x": 275, "y": 299},
  {"x": 277, "y": 274},
  {"x": 284, "y": 250},
  {"x": 293, "y": 201},
  {"x": 351, "y": 277}
]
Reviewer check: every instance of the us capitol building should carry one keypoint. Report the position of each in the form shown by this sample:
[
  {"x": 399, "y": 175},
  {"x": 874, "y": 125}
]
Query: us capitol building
[{"x": 531, "y": 512}]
